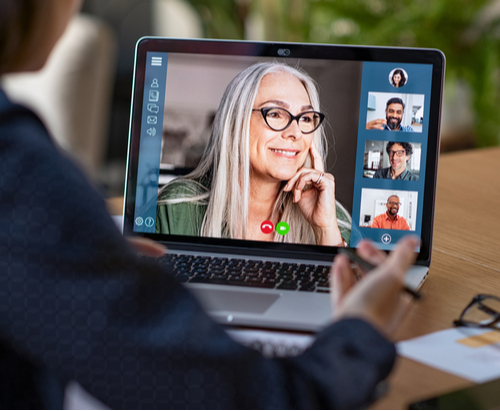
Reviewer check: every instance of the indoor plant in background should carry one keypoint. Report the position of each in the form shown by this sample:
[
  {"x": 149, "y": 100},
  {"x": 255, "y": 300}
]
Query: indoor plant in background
[{"x": 467, "y": 31}]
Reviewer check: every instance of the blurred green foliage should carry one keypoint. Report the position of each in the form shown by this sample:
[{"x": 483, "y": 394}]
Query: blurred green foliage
[{"x": 467, "y": 31}]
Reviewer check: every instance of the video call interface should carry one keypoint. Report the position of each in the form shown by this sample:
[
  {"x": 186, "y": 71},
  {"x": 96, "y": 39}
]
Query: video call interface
[{"x": 375, "y": 122}]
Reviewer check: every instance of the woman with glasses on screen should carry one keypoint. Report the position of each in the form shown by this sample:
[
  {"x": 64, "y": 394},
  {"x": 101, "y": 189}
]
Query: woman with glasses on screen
[{"x": 265, "y": 161}]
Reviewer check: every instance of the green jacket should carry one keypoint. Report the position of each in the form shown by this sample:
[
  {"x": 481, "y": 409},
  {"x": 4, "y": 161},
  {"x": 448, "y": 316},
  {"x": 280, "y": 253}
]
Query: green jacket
[{"x": 183, "y": 218}]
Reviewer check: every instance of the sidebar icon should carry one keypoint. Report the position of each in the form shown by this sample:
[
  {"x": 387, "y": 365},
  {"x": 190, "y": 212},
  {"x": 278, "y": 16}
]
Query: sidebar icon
[{"x": 156, "y": 61}]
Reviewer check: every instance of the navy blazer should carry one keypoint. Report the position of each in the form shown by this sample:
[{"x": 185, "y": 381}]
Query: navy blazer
[{"x": 76, "y": 303}]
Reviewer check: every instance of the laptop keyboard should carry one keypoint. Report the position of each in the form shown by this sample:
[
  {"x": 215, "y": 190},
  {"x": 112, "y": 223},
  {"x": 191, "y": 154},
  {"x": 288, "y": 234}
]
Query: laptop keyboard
[{"x": 248, "y": 273}]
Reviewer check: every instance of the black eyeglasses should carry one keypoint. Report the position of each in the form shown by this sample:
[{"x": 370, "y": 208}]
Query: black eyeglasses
[
  {"x": 482, "y": 311},
  {"x": 278, "y": 119},
  {"x": 398, "y": 153}
]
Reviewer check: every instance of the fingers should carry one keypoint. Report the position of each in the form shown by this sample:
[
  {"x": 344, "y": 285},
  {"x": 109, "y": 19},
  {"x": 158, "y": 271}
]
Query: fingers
[
  {"x": 403, "y": 255},
  {"x": 308, "y": 176},
  {"x": 369, "y": 252},
  {"x": 147, "y": 247},
  {"x": 342, "y": 278},
  {"x": 378, "y": 124},
  {"x": 317, "y": 160}
]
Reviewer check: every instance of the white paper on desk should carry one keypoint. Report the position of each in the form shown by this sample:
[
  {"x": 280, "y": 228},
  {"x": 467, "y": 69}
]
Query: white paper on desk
[{"x": 442, "y": 351}]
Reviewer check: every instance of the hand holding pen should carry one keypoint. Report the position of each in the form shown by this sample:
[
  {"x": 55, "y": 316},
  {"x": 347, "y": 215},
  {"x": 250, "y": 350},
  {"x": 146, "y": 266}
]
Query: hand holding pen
[
  {"x": 366, "y": 265},
  {"x": 377, "y": 297}
]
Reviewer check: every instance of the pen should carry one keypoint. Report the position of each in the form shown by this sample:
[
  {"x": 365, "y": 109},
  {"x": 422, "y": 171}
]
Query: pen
[{"x": 354, "y": 257}]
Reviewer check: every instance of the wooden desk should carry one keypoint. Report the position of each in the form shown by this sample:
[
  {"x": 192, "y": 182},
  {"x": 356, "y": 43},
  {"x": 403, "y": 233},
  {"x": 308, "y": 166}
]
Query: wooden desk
[{"x": 465, "y": 262}]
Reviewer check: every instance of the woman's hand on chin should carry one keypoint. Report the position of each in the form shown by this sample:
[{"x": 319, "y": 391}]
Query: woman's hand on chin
[{"x": 314, "y": 192}]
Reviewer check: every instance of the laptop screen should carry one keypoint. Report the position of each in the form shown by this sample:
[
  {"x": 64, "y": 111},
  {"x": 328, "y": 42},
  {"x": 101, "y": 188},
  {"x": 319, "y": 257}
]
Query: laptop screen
[{"x": 284, "y": 147}]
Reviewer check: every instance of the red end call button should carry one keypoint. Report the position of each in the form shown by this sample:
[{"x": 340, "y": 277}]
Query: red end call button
[{"x": 267, "y": 227}]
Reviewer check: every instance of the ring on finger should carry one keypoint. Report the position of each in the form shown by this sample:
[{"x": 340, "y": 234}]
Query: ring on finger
[{"x": 319, "y": 179}]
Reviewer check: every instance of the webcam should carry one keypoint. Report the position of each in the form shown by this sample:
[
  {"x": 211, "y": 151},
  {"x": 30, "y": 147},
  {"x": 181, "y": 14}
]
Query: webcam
[{"x": 283, "y": 52}]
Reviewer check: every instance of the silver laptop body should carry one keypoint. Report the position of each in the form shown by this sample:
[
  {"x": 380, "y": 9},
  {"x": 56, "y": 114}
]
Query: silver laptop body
[{"x": 178, "y": 85}]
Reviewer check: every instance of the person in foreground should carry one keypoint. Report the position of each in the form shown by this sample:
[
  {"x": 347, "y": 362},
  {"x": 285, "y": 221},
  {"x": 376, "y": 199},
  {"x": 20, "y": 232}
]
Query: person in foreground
[{"x": 77, "y": 303}]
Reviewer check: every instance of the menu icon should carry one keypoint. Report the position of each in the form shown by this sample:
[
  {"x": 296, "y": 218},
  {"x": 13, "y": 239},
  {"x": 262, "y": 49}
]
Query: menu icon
[{"x": 156, "y": 61}]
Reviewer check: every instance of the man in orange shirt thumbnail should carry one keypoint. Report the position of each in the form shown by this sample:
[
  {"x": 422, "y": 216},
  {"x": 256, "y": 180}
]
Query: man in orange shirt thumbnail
[{"x": 390, "y": 219}]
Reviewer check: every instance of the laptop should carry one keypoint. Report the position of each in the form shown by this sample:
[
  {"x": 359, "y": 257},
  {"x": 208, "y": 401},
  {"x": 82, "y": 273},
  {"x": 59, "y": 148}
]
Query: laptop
[{"x": 209, "y": 150}]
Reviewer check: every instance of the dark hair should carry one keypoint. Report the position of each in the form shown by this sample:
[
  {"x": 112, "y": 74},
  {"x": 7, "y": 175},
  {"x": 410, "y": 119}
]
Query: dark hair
[
  {"x": 407, "y": 147},
  {"x": 395, "y": 100},
  {"x": 402, "y": 82},
  {"x": 20, "y": 21}
]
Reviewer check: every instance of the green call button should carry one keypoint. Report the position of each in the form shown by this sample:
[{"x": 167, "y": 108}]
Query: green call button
[{"x": 282, "y": 228}]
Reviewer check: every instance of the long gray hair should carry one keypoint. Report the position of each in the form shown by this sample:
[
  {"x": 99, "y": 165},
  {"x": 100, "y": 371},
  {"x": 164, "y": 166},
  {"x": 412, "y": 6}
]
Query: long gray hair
[{"x": 226, "y": 162}]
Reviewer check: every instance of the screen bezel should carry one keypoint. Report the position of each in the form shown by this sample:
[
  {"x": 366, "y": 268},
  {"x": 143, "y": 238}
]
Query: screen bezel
[{"x": 295, "y": 50}]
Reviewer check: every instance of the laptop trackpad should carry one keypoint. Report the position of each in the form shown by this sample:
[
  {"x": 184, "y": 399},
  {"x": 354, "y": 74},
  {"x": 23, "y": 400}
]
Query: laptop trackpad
[{"x": 235, "y": 301}]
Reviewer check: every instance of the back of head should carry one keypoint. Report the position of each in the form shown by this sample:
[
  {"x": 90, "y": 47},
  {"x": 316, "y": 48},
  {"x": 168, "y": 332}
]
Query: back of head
[{"x": 20, "y": 21}]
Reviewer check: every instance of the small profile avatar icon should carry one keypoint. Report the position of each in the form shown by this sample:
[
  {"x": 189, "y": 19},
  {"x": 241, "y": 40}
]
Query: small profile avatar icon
[
  {"x": 267, "y": 227},
  {"x": 398, "y": 77}
]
